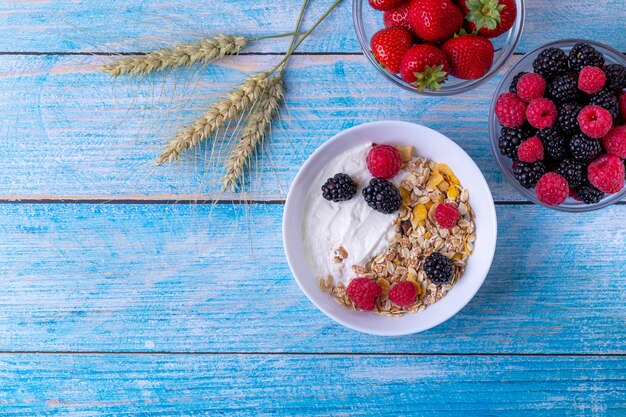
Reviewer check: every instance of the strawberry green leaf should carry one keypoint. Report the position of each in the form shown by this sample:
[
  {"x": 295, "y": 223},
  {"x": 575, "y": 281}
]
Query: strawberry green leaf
[
  {"x": 484, "y": 13},
  {"x": 431, "y": 78}
]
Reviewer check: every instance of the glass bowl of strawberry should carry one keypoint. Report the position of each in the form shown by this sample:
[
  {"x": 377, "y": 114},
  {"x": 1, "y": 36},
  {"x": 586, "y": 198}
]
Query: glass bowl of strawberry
[
  {"x": 438, "y": 47},
  {"x": 557, "y": 125}
]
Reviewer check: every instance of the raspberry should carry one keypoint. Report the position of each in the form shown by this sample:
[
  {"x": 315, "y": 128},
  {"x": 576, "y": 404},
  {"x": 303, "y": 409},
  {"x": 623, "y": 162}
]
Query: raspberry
[
  {"x": 606, "y": 174},
  {"x": 339, "y": 188},
  {"x": 591, "y": 80},
  {"x": 615, "y": 142},
  {"x": 541, "y": 113},
  {"x": 384, "y": 161},
  {"x": 530, "y": 87},
  {"x": 438, "y": 268},
  {"x": 530, "y": 150},
  {"x": 552, "y": 189},
  {"x": 363, "y": 292},
  {"x": 595, "y": 121},
  {"x": 518, "y": 76},
  {"x": 622, "y": 106},
  {"x": 403, "y": 294},
  {"x": 446, "y": 215},
  {"x": 510, "y": 110}
]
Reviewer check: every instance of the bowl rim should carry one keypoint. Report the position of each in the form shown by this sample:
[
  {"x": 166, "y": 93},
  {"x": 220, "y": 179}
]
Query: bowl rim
[
  {"x": 290, "y": 215},
  {"x": 494, "y": 128},
  {"x": 462, "y": 87}
]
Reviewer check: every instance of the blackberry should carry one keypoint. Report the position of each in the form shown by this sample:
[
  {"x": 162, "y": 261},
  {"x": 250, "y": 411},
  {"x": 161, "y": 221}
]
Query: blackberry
[
  {"x": 583, "y": 55},
  {"x": 339, "y": 188},
  {"x": 510, "y": 139},
  {"x": 567, "y": 120},
  {"x": 438, "y": 268},
  {"x": 615, "y": 76},
  {"x": 550, "y": 63},
  {"x": 554, "y": 143},
  {"x": 513, "y": 86},
  {"x": 583, "y": 148},
  {"x": 382, "y": 196},
  {"x": 564, "y": 88},
  {"x": 607, "y": 99},
  {"x": 589, "y": 194},
  {"x": 573, "y": 171},
  {"x": 528, "y": 173}
]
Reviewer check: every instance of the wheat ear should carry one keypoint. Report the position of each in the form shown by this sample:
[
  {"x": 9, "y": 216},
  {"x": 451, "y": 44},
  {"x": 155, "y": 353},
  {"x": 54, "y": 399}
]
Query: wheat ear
[
  {"x": 254, "y": 131},
  {"x": 228, "y": 108},
  {"x": 207, "y": 51}
]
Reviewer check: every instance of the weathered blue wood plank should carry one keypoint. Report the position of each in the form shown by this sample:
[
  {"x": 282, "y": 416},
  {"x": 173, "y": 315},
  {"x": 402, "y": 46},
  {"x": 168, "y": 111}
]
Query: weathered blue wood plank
[
  {"x": 69, "y": 131},
  {"x": 180, "y": 278},
  {"x": 268, "y": 385},
  {"x": 136, "y": 25}
]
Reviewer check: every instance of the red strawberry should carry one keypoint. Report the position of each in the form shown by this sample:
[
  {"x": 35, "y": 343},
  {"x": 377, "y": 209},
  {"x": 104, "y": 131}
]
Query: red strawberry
[
  {"x": 435, "y": 20},
  {"x": 491, "y": 18},
  {"x": 424, "y": 66},
  {"x": 389, "y": 46},
  {"x": 398, "y": 16},
  {"x": 470, "y": 56},
  {"x": 385, "y": 4}
]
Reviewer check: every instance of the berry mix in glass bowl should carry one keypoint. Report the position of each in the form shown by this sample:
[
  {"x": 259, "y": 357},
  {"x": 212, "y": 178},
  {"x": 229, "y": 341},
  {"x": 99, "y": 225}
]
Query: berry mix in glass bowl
[
  {"x": 438, "y": 47},
  {"x": 557, "y": 125}
]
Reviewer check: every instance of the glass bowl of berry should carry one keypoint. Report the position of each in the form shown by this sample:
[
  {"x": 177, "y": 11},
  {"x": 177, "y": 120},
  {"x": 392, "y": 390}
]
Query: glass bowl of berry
[
  {"x": 438, "y": 47},
  {"x": 557, "y": 125}
]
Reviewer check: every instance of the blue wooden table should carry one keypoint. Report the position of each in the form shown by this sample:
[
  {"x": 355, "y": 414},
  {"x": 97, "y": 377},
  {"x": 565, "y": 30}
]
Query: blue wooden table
[{"x": 126, "y": 290}]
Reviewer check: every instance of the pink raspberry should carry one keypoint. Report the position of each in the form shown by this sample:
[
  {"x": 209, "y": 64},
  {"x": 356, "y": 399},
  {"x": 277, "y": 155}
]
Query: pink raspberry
[
  {"x": 606, "y": 174},
  {"x": 384, "y": 161},
  {"x": 531, "y": 150},
  {"x": 615, "y": 142},
  {"x": 510, "y": 110},
  {"x": 622, "y": 106},
  {"x": 531, "y": 86},
  {"x": 595, "y": 121},
  {"x": 552, "y": 189},
  {"x": 403, "y": 294},
  {"x": 591, "y": 79},
  {"x": 363, "y": 292},
  {"x": 398, "y": 16},
  {"x": 541, "y": 113},
  {"x": 446, "y": 215}
]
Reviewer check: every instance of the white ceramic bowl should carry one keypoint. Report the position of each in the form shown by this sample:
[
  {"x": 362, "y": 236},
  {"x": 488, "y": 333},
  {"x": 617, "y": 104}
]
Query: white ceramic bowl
[{"x": 433, "y": 145}]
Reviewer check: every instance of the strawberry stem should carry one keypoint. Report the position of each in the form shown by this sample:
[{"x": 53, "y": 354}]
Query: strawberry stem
[
  {"x": 431, "y": 78},
  {"x": 484, "y": 13}
]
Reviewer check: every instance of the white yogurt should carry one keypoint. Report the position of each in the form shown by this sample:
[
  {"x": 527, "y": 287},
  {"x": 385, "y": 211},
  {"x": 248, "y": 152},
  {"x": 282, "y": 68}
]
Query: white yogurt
[{"x": 362, "y": 231}]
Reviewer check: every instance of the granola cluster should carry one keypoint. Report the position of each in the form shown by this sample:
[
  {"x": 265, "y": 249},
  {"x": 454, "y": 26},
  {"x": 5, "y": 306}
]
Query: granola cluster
[{"x": 417, "y": 235}]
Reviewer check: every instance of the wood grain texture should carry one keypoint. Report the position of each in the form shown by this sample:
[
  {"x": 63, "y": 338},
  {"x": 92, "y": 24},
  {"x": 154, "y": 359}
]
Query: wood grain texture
[
  {"x": 266, "y": 385},
  {"x": 139, "y": 25},
  {"x": 71, "y": 132},
  {"x": 183, "y": 278}
]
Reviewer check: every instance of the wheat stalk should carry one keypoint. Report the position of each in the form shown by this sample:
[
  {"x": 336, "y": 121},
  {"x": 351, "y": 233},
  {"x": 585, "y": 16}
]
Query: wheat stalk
[
  {"x": 206, "y": 51},
  {"x": 228, "y": 108},
  {"x": 254, "y": 131}
]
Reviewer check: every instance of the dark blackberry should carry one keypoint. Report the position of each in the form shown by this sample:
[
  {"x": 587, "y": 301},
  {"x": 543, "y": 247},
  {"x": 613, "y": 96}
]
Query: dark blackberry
[
  {"x": 607, "y": 99},
  {"x": 615, "y": 76},
  {"x": 583, "y": 148},
  {"x": 589, "y": 194},
  {"x": 510, "y": 139},
  {"x": 567, "y": 120},
  {"x": 573, "y": 171},
  {"x": 438, "y": 268},
  {"x": 564, "y": 88},
  {"x": 550, "y": 63},
  {"x": 583, "y": 55},
  {"x": 528, "y": 173},
  {"x": 513, "y": 86},
  {"x": 339, "y": 188},
  {"x": 382, "y": 196},
  {"x": 554, "y": 143}
]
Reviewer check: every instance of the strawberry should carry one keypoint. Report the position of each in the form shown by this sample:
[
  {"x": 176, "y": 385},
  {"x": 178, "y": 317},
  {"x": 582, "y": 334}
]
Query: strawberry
[
  {"x": 435, "y": 20},
  {"x": 385, "y": 4},
  {"x": 389, "y": 46},
  {"x": 491, "y": 18},
  {"x": 424, "y": 66},
  {"x": 470, "y": 56},
  {"x": 398, "y": 16}
]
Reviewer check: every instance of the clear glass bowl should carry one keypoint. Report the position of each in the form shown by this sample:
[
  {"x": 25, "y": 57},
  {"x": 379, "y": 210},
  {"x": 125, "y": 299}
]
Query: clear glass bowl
[
  {"x": 368, "y": 21},
  {"x": 526, "y": 64}
]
